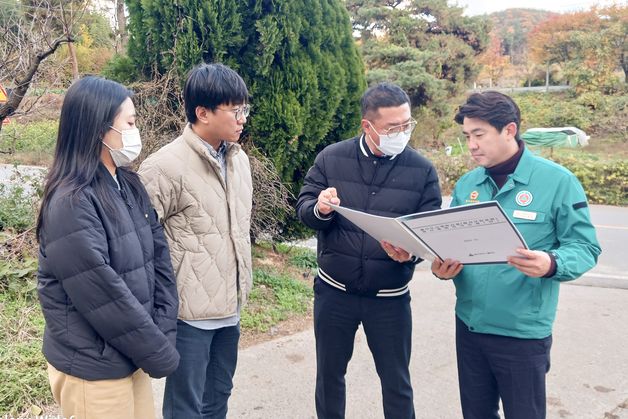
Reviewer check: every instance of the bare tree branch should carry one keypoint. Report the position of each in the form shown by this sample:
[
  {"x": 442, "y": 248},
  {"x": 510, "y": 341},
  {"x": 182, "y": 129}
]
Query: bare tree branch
[
  {"x": 23, "y": 83},
  {"x": 31, "y": 32}
]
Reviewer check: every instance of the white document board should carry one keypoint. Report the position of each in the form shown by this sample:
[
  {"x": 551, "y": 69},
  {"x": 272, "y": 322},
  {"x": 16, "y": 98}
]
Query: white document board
[{"x": 472, "y": 234}]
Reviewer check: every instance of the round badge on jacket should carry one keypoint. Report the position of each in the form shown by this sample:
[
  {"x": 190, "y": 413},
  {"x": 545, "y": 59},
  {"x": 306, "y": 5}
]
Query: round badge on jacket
[{"x": 524, "y": 198}]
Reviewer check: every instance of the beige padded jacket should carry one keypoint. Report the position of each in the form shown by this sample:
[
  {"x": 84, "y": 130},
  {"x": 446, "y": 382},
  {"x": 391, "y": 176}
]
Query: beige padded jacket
[{"x": 206, "y": 222}]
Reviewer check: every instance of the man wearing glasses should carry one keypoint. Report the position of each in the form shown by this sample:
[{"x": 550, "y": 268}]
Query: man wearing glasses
[
  {"x": 359, "y": 280},
  {"x": 200, "y": 185}
]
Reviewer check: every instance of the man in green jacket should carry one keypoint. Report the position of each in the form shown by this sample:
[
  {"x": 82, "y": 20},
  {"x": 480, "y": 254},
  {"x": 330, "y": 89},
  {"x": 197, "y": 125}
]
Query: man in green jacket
[{"x": 505, "y": 312}]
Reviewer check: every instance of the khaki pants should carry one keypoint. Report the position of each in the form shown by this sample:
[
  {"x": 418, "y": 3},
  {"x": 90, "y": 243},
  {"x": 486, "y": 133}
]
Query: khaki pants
[{"x": 130, "y": 397}]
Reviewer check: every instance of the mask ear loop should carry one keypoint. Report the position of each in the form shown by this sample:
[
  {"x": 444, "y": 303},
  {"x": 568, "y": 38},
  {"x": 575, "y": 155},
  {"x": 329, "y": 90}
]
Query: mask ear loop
[
  {"x": 107, "y": 145},
  {"x": 371, "y": 139}
]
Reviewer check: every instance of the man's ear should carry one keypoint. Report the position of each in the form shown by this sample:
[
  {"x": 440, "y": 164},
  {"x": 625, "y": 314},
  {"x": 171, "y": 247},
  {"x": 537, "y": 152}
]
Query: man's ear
[
  {"x": 366, "y": 126},
  {"x": 511, "y": 130},
  {"x": 202, "y": 114}
]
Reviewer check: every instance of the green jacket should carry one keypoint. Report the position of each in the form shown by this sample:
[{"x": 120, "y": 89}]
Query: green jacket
[{"x": 548, "y": 206}]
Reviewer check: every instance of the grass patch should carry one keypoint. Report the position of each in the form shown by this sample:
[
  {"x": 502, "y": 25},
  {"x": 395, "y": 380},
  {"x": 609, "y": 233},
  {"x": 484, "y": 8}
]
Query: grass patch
[
  {"x": 275, "y": 297},
  {"x": 24, "y": 381},
  {"x": 281, "y": 286},
  {"x": 24, "y": 378},
  {"x": 32, "y": 143}
]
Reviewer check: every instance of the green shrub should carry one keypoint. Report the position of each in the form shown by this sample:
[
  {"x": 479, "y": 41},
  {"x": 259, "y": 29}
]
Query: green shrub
[
  {"x": 605, "y": 182},
  {"x": 17, "y": 208},
  {"x": 597, "y": 114},
  {"x": 553, "y": 110},
  {"x": 613, "y": 120},
  {"x": 450, "y": 169},
  {"x": 19, "y": 201},
  {"x": 592, "y": 100},
  {"x": 431, "y": 126},
  {"x": 303, "y": 258},
  {"x": 121, "y": 69},
  {"x": 298, "y": 58}
]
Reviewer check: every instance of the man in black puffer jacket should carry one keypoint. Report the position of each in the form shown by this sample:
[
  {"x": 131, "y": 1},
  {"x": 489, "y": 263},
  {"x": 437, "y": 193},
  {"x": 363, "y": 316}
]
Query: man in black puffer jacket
[{"x": 360, "y": 280}]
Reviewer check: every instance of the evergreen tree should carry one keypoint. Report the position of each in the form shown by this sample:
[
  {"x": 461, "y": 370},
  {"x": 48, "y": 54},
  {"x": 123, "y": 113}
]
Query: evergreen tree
[
  {"x": 297, "y": 57},
  {"x": 426, "y": 46}
]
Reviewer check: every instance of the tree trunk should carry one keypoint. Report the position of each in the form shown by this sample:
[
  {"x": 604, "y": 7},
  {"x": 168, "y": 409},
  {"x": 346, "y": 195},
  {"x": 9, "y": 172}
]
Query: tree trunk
[
  {"x": 123, "y": 36},
  {"x": 74, "y": 61},
  {"x": 547, "y": 72},
  {"x": 22, "y": 84}
]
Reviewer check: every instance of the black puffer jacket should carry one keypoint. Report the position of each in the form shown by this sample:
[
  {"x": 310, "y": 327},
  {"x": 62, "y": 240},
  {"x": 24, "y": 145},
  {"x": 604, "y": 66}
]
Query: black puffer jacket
[
  {"x": 106, "y": 286},
  {"x": 377, "y": 185}
]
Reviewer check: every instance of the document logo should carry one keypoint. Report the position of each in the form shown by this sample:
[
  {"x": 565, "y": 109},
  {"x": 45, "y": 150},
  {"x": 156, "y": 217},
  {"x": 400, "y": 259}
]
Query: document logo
[{"x": 523, "y": 198}]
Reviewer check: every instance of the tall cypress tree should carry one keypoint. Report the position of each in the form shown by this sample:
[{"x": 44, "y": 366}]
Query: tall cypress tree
[{"x": 297, "y": 57}]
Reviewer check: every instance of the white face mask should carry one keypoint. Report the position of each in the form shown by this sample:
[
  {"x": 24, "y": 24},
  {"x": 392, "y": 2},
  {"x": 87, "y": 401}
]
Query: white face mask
[
  {"x": 131, "y": 147},
  {"x": 392, "y": 146}
]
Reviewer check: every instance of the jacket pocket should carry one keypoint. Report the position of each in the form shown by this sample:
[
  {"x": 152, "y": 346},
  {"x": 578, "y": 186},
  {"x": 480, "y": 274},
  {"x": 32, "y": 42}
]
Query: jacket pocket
[{"x": 534, "y": 231}]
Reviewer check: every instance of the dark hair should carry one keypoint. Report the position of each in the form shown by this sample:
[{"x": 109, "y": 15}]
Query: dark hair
[
  {"x": 382, "y": 95},
  {"x": 211, "y": 85},
  {"x": 89, "y": 108},
  {"x": 493, "y": 107}
]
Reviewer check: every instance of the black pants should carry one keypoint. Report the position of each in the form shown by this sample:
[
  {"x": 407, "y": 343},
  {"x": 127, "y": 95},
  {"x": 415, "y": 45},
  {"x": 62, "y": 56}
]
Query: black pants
[
  {"x": 387, "y": 323},
  {"x": 491, "y": 367}
]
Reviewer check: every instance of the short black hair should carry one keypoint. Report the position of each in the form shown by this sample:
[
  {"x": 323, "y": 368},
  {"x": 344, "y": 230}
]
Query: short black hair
[
  {"x": 382, "y": 95},
  {"x": 212, "y": 85},
  {"x": 493, "y": 107}
]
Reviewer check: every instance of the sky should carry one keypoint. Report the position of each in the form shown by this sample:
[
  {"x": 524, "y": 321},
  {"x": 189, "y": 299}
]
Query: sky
[{"x": 479, "y": 7}]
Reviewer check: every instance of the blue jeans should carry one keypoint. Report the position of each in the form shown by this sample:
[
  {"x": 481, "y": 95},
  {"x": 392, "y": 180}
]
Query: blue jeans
[
  {"x": 387, "y": 323},
  {"x": 491, "y": 367},
  {"x": 201, "y": 385}
]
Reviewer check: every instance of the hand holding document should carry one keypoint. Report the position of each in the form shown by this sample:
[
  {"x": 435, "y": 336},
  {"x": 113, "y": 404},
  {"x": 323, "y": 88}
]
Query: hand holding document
[{"x": 471, "y": 234}]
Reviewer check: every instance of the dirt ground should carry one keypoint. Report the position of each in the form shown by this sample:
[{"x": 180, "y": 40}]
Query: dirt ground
[{"x": 284, "y": 328}]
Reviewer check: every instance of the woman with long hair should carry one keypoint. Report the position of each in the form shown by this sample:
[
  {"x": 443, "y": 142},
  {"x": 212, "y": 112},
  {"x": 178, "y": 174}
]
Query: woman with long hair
[{"x": 105, "y": 278}]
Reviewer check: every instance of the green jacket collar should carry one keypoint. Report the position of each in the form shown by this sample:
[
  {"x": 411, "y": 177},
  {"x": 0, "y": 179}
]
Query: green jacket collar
[{"x": 522, "y": 173}]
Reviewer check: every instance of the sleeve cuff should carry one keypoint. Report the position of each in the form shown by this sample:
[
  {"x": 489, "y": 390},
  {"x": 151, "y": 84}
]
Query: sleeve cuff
[
  {"x": 322, "y": 217},
  {"x": 553, "y": 267}
]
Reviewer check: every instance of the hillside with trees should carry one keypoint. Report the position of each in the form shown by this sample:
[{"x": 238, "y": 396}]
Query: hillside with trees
[{"x": 512, "y": 26}]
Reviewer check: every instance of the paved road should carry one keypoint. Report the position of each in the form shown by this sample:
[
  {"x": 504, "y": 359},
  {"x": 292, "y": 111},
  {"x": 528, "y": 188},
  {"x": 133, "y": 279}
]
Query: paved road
[
  {"x": 612, "y": 230},
  {"x": 8, "y": 175},
  {"x": 588, "y": 379}
]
